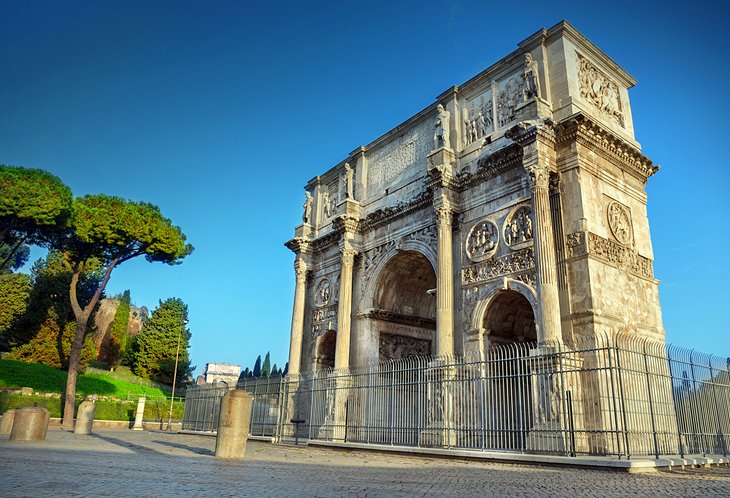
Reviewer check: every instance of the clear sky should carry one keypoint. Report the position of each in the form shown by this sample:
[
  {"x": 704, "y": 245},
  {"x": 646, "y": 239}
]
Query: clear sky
[{"x": 220, "y": 112}]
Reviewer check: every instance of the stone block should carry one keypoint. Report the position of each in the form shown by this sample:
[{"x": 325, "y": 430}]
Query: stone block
[{"x": 26, "y": 391}]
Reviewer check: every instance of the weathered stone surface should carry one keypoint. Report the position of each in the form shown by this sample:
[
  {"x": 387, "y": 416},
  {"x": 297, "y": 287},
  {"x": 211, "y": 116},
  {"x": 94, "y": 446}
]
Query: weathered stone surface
[
  {"x": 233, "y": 425},
  {"x": 526, "y": 180},
  {"x": 6, "y": 423},
  {"x": 30, "y": 424},
  {"x": 85, "y": 417}
]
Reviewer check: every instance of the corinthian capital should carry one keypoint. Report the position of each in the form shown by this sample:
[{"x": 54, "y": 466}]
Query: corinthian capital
[
  {"x": 538, "y": 174},
  {"x": 300, "y": 268},
  {"x": 346, "y": 224}
]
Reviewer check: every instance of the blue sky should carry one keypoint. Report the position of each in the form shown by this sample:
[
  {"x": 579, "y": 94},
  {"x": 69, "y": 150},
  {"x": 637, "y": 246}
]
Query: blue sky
[{"x": 219, "y": 112}]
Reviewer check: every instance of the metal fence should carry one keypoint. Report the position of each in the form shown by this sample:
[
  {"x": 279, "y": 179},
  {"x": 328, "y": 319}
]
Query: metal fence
[
  {"x": 202, "y": 405},
  {"x": 611, "y": 396}
]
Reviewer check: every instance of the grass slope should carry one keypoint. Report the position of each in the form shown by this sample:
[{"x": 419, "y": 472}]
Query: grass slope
[{"x": 47, "y": 379}]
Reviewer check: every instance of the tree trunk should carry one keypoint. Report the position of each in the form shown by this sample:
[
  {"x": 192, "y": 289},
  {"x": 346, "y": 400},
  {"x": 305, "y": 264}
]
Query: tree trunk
[
  {"x": 82, "y": 318},
  {"x": 73, "y": 372}
]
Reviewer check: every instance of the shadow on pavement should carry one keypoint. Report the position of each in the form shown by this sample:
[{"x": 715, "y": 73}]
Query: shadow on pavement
[{"x": 194, "y": 449}]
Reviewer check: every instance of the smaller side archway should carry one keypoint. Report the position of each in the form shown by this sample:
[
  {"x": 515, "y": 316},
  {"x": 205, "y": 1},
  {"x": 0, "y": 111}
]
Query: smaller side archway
[
  {"x": 509, "y": 318},
  {"x": 325, "y": 358}
]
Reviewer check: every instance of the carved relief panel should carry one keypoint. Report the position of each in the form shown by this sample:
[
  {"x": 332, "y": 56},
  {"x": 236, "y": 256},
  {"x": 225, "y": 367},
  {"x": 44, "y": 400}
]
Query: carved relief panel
[
  {"x": 481, "y": 242},
  {"x": 511, "y": 94},
  {"x": 395, "y": 347},
  {"x": 518, "y": 228},
  {"x": 477, "y": 118},
  {"x": 600, "y": 90},
  {"x": 323, "y": 292}
]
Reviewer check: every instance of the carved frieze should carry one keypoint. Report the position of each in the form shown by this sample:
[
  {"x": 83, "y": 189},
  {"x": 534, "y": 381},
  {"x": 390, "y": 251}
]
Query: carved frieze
[
  {"x": 518, "y": 228},
  {"x": 513, "y": 263},
  {"x": 395, "y": 347},
  {"x": 324, "y": 313},
  {"x": 619, "y": 221},
  {"x": 481, "y": 243},
  {"x": 600, "y": 90},
  {"x": 390, "y": 316},
  {"x": 610, "y": 252}
]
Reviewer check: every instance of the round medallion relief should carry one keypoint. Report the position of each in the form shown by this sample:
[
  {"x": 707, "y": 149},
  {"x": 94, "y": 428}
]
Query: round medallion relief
[
  {"x": 324, "y": 292},
  {"x": 481, "y": 243},
  {"x": 619, "y": 221}
]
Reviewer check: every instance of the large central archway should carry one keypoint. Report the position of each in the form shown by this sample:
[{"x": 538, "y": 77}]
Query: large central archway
[{"x": 404, "y": 312}]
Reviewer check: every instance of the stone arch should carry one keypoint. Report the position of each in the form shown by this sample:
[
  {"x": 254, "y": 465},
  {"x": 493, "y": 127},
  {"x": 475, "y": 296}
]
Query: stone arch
[
  {"x": 413, "y": 245},
  {"x": 490, "y": 291},
  {"x": 325, "y": 350},
  {"x": 401, "y": 319}
]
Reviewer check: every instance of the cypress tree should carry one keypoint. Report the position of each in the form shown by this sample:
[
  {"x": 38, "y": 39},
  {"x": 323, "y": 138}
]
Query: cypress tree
[
  {"x": 266, "y": 368},
  {"x": 257, "y": 367}
]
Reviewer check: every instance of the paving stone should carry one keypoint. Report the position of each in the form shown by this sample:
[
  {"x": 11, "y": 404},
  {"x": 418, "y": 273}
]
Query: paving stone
[{"x": 143, "y": 463}]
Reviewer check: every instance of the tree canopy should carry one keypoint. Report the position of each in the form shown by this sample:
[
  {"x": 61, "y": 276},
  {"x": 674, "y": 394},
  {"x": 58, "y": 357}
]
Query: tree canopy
[{"x": 33, "y": 204}]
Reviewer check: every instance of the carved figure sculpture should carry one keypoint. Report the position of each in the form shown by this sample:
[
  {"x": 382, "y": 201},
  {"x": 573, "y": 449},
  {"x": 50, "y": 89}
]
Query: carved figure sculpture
[
  {"x": 307, "y": 216},
  {"x": 327, "y": 205},
  {"x": 441, "y": 128},
  {"x": 519, "y": 228},
  {"x": 531, "y": 76},
  {"x": 347, "y": 181}
]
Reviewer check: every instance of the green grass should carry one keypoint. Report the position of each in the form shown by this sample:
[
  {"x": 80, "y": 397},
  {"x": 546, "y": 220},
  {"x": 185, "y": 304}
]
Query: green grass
[
  {"x": 42, "y": 378},
  {"x": 105, "y": 409}
]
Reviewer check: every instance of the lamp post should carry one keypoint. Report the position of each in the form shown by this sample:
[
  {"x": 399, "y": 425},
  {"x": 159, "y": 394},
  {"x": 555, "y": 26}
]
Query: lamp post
[{"x": 183, "y": 322}]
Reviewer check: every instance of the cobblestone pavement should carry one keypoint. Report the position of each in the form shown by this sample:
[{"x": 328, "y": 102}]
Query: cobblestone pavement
[{"x": 129, "y": 463}]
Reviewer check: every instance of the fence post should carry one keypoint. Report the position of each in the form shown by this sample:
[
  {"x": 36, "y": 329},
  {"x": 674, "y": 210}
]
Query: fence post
[
  {"x": 720, "y": 435},
  {"x": 651, "y": 402},
  {"x": 613, "y": 398},
  {"x": 676, "y": 404},
  {"x": 623, "y": 401}
]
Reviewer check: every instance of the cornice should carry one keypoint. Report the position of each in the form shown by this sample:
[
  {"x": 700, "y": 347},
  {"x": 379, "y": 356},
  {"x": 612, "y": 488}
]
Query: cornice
[
  {"x": 299, "y": 245},
  {"x": 491, "y": 166},
  {"x": 387, "y": 214},
  {"x": 588, "y": 133},
  {"x": 390, "y": 316}
]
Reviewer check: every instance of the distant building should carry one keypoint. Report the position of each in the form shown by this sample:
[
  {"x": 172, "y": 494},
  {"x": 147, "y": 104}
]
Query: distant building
[{"x": 220, "y": 372}]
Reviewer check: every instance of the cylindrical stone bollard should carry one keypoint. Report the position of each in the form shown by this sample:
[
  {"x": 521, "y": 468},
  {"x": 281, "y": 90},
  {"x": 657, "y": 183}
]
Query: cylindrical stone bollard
[
  {"x": 85, "y": 417},
  {"x": 30, "y": 424},
  {"x": 6, "y": 424},
  {"x": 233, "y": 425}
]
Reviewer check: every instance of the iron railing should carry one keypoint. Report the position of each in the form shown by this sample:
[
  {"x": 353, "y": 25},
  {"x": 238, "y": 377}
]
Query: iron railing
[{"x": 611, "y": 396}]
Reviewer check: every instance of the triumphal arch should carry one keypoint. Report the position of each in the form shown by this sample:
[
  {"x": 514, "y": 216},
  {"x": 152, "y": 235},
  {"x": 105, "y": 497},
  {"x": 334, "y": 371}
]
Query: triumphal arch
[{"x": 511, "y": 209}]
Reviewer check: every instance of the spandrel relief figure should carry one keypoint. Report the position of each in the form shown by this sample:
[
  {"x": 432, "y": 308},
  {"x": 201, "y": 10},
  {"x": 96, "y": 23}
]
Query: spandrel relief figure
[
  {"x": 441, "y": 128},
  {"x": 482, "y": 241},
  {"x": 531, "y": 76},
  {"x": 307, "y": 216}
]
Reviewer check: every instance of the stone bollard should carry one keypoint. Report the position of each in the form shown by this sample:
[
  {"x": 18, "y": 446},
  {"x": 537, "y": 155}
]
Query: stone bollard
[
  {"x": 6, "y": 424},
  {"x": 85, "y": 417},
  {"x": 233, "y": 425},
  {"x": 30, "y": 424},
  {"x": 139, "y": 416}
]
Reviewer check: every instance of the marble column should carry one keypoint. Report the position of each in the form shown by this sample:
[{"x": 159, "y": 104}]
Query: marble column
[
  {"x": 344, "y": 307},
  {"x": 297, "y": 320},
  {"x": 444, "y": 280},
  {"x": 537, "y": 166}
]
